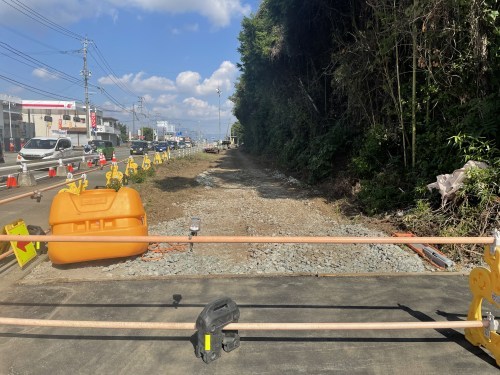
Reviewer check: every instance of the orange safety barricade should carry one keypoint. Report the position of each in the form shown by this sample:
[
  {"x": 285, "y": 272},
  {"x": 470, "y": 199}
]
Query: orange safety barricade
[{"x": 100, "y": 212}]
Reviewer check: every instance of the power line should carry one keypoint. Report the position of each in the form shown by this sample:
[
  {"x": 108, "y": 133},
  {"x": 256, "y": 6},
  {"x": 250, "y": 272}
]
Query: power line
[
  {"x": 34, "y": 63},
  {"x": 111, "y": 74},
  {"x": 38, "y": 17},
  {"x": 34, "y": 15},
  {"x": 35, "y": 89},
  {"x": 31, "y": 39},
  {"x": 117, "y": 83}
]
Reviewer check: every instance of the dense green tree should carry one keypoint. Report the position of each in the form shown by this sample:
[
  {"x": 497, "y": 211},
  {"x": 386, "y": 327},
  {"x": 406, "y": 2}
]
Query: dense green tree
[
  {"x": 377, "y": 88},
  {"x": 123, "y": 132}
]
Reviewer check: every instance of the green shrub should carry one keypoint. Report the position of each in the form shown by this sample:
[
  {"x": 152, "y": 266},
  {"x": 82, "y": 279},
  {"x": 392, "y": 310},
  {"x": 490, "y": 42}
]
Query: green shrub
[
  {"x": 384, "y": 192},
  {"x": 141, "y": 175}
]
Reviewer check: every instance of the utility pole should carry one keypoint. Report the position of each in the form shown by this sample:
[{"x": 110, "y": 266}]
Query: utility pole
[
  {"x": 86, "y": 75},
  {"x": 133, "y": 121},
  {"x": 141, "y": 99},
  {"x": 219, "y": 92}
]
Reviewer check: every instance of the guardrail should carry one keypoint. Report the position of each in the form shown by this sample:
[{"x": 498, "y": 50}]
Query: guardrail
[
  {"x": 36, "y": 165},
  {"x": 23, "y": 172}
]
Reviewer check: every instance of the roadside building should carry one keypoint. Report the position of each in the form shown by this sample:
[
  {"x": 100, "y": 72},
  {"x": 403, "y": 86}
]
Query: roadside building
[
  {"x": 14, "y": 128},
  {"x": 53, "y": 118},
  {"x": 58, "y": 118},
  {"x": 109, "y": 130}
]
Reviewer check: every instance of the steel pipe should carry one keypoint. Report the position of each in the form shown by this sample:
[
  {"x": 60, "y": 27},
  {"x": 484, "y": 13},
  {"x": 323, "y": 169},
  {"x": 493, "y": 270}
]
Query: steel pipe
[
  {"x": 251, "y": 239},
  {"x": 247, "y": 326}
]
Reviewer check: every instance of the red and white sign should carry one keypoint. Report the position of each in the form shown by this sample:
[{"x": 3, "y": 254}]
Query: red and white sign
[
  {"x": 93, "y": 120},
  {"x": 47, "y": 104}
]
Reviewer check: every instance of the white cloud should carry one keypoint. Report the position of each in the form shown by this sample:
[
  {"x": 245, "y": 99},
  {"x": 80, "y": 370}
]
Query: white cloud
[
  {"x": 190, "y": 99},
  {"x": 218, "y": 12},
  {"x": 223, "y": 77},
  {"x": 187, "y": 82},
  {"x": 44, "y": 74},
  {"x": 138, "y": 83},
  {"x": 193, "y": 27},
  {"x": 166, "y": 99},
  {"x": 190, "y": 28}
]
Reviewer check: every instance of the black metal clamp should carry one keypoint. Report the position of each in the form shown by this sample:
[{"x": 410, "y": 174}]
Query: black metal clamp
[{"x": 211, "y": 339}]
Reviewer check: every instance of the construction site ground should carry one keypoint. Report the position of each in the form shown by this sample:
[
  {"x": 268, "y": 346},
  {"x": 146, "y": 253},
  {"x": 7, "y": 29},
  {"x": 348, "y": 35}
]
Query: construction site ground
[
  {"x": 92, "y": 291},
  {"x": 405, "y": 298}
]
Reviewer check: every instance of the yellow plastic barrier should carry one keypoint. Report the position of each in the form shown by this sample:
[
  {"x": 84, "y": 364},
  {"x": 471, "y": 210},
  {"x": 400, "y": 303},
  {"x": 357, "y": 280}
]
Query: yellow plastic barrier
[
  {"x": 165, "y": 155},
  {"x": 101, "y": 212},
  {"x": 75, "y": 187},
  {"x": 114, "y": 174},
  {"x": 146, "y": 162},
  {"x": 485, "y": 284},
  {"x": 131, "y": 166},
  {"x": 157, "y": 159}
]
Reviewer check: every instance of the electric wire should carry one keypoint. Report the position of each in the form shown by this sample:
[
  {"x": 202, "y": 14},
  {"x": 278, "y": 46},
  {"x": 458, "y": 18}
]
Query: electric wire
[
  {"x": 111, "y": 73},
  {"x": 35, "y": 63},
  {"x": 37, "y": 17},
  {"x": 35, "y": 89}
]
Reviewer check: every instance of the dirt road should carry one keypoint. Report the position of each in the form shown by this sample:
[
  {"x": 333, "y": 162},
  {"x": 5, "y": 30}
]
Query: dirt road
[{"x": 235, "y": 196}]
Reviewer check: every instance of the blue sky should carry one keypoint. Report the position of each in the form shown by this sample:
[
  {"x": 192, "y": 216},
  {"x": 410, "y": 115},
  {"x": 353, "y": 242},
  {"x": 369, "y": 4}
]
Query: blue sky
[{"x": 173, "y": 53}]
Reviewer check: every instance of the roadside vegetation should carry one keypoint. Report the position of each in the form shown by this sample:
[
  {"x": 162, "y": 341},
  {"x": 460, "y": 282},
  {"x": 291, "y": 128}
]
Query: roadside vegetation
[{"x": 384, "y": 95}]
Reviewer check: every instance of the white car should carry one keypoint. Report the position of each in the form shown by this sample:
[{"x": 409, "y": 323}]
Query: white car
[{"x": 43, "y": 148}]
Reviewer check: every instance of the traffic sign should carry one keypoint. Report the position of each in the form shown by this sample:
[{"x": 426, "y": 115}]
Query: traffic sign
[{"x": 24, "y": 250}]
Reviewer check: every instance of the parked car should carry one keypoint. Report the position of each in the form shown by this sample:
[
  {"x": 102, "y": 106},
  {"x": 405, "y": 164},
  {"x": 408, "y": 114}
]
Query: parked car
[
  {"x": 43, "y": 148},
  {"x": 173, "y": 145},
  {"x": 138, "y": 148},
  {"x": 162, "y": 146},
  {"x": 106, "y": 147},
  {"x": 182, "y": 144}
]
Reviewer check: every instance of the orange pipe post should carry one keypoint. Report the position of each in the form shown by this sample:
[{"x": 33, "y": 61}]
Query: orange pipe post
[
  {"x": 246, "y": 326},
  {"x": 26, "y": 195},
  {"x": 252, "y": 239},
  {"x": 6, "y": 254}
]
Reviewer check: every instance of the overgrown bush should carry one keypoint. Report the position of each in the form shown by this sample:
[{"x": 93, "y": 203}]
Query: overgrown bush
[
  {"x": 141, "y": 175},
  {"x": 474, "y": 211},
  {"x": 384, "y": 192}
]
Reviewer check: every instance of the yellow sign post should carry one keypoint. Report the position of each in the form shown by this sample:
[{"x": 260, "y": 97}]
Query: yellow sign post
[{"x": 24, "y": 250}]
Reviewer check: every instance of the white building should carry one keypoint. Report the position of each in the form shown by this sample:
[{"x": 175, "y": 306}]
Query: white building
[{"x": 68, "y": 118}]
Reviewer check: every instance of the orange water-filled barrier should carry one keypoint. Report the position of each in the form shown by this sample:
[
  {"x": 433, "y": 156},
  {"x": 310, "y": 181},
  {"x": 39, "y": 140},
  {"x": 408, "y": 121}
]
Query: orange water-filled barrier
[{"x": 100, "y": 212}]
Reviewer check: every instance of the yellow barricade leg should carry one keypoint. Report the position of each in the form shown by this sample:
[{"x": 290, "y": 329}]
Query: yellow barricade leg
[{"x": 485, "y": 284}]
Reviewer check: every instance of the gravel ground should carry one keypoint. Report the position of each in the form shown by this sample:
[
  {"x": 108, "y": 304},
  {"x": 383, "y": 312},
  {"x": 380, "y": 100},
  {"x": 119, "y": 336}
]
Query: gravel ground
[{"x": 233, "y": 196}]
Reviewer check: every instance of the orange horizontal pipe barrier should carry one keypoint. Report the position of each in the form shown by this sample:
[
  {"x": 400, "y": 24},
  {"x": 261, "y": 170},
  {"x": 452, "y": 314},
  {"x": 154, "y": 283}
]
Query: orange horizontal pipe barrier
[
  {"x": 250, "y": 239},
  {"x": 29, "y": 194},
  {"x": 247, "y": 326},
  {"x": 6, "y": 254}
]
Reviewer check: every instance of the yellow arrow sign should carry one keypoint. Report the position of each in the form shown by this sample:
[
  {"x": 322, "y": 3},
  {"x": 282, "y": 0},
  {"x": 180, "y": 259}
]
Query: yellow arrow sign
[{"x": 24, "y": 251}]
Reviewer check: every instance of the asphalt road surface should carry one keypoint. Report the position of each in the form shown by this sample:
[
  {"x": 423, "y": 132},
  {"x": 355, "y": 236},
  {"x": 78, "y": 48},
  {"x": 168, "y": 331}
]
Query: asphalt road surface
[{"x": 34, "y": 350}]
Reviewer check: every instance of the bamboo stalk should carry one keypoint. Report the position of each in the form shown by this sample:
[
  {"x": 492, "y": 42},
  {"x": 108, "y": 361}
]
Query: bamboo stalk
[
  {"x": 249, "y": 239},
  {"x": 246, "y": 326}
]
